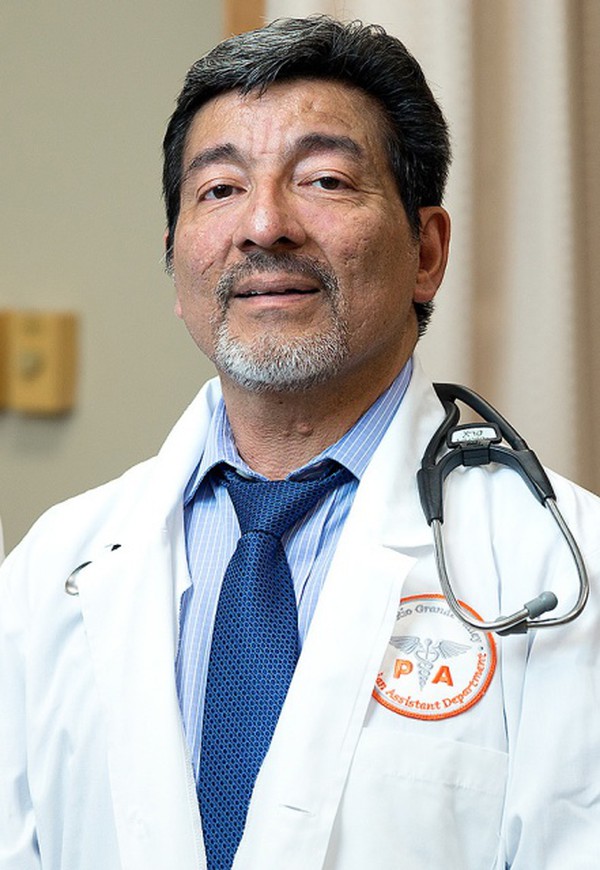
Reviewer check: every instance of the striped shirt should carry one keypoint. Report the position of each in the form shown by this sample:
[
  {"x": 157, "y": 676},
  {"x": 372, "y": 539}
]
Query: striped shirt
[{"x": 212, "y": 532}]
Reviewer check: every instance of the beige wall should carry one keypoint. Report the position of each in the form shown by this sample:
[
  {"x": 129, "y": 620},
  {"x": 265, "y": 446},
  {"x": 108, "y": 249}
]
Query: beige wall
[
  {"x": 242, "y": 15},
  {"x": 86, "y": 91}
]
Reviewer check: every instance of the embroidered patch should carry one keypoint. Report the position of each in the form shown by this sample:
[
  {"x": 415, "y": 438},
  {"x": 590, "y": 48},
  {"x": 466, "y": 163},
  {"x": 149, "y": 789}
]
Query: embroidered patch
[{"x": 435, "y": 667}]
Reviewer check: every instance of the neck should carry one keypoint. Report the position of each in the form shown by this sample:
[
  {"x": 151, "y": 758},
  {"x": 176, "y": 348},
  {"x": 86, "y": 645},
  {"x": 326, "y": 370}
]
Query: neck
[{"x": 276, "y": 432}]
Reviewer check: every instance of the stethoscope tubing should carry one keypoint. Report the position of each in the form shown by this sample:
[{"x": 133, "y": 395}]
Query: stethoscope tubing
[{"x": 524, "y": 619}]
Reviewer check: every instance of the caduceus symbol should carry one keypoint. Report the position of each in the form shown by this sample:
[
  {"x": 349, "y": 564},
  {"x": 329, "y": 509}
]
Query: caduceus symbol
[{"x": 427, "y": 652}]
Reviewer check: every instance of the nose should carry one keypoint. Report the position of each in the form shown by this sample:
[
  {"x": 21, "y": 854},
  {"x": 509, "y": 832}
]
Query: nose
[{"x": 268, "y": 221}]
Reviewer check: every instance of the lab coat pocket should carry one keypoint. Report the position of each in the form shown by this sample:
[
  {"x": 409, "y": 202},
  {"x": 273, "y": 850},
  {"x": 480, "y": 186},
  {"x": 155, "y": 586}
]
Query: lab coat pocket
[{"x": 418, "y": 803}]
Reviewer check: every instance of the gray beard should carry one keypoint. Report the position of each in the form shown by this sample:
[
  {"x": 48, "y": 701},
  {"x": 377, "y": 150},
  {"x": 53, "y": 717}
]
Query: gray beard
[{"x": 268, "y": 362}]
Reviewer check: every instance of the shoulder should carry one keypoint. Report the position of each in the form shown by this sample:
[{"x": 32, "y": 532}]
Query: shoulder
[
  {"x": 80, "y": 523},
  {"x": 93, "y": 504},
  {"x": 580, "y": 508},
  {"x": 66, "y": 534}
]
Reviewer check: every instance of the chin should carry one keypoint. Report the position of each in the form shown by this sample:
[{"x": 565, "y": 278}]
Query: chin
[{"x": 272, "y": 364}]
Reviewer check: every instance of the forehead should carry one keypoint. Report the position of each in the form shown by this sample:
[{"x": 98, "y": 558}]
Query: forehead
[{"x": 274, "y": 120}]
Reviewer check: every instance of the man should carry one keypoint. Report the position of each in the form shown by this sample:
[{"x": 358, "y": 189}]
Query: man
[{"x": 148, "y": 721}]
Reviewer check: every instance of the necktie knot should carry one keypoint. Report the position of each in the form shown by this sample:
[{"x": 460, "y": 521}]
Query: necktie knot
[{"x": 275, "y": 506}]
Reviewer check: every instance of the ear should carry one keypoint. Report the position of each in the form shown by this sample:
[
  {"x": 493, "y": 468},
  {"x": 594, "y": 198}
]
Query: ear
[
  {"x": 434, "y": 242},
  {"x": 166, "y": 245},
  {"x": 177, "y": 306}
]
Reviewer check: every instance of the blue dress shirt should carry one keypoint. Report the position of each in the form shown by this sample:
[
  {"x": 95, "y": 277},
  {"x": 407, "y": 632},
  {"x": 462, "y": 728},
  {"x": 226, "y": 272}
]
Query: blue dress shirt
[{"x": 212, "y": 531}]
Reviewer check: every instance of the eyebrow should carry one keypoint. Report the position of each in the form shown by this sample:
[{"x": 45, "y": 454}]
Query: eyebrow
[
  {"x": 316, "y": 142},
  {"x": 217, "y": 154}
]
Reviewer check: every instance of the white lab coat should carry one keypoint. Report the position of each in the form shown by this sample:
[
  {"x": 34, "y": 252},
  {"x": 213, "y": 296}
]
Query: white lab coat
[{"x": 94, "y": 770}]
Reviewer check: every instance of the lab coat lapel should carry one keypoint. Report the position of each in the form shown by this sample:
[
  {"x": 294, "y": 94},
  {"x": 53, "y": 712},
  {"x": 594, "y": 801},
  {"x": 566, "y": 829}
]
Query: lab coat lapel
[
  {"x": 300, "y": 785},
  {"x": 130, "y": 605},
  {"x": 129, "y": 610}
]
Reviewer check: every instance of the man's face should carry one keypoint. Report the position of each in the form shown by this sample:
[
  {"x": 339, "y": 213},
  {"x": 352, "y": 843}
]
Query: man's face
[{"x": 293, "y": 260}]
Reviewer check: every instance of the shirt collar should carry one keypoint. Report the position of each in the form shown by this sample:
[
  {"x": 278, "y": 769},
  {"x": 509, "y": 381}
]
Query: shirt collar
[{"x": 353, "y": 450}]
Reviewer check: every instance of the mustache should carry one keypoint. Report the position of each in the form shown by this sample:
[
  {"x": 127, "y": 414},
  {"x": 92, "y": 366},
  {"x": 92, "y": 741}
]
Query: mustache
[{"x": 260, "y": 262}]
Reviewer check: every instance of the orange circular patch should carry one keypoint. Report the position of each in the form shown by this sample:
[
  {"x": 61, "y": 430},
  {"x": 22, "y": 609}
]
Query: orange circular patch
[{"x": 435, "y": 666}]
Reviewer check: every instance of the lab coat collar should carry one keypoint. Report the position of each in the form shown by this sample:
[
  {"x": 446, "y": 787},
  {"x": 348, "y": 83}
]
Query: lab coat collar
[{"x": 389, "y": 489}]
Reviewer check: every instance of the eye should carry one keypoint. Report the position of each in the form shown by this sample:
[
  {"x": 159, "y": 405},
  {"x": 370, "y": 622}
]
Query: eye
[
  {"x": 219, "y": 191},
  {"x": 329, "y": 182}
]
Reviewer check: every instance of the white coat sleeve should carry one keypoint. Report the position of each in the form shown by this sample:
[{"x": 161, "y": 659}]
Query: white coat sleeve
[{"x": 18, "y": 843}]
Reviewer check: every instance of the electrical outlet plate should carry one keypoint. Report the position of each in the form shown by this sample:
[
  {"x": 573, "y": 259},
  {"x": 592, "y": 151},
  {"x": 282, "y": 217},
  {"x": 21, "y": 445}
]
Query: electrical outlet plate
[{"x": 42, "y": 361}]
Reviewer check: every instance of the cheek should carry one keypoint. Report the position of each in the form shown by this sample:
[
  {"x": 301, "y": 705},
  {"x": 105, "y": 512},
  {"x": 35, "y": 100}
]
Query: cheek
[
  {"x": 195, "y": 275},
  {"x": 357, "y": 250},
  {"x": 378, "y": 276},
  {"x": 364, "y": 264},
  {"x": 196, "y": 253},
  {"x": 393, "y": 263}
]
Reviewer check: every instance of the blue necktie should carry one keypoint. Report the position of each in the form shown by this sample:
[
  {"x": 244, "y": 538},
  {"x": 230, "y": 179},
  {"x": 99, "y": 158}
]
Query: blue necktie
[{"x": 253, "y": 653}]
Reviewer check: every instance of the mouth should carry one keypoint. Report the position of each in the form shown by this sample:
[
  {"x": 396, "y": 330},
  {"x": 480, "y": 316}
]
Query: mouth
[
  {"x": 274, "y": 286},
  {"x": 288, "y": 291}
]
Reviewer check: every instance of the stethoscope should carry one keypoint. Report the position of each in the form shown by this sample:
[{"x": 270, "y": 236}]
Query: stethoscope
[{"x": 475, "y": 444}]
